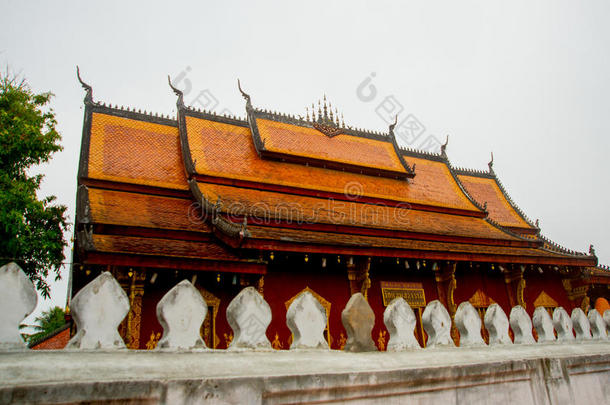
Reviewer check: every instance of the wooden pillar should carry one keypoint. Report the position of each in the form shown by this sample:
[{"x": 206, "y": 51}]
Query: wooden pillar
[
  {"x": 445, "y": 286},
  {"x": 358, "y": 275},
  {"x": 515, "y": 285},
  {"x": 133, "y": 283}
]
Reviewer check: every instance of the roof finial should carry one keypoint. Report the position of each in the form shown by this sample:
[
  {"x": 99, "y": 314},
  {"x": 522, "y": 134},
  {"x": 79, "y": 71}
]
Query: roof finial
[
  {"x": 537, "y": 223},
  {"x": 319, "y": 111},
  {"x": 491, "y": 163},
  {"x": 444, "y": 147},
  {"x": 325, "y": 109},
  {"x": 591, "y": 250},
  {"x": 244, "y": 95},
  {"x": 342, "y": 121},
  {"x": 180, "y": 101},
  {"x": 392, "y": 125},
  {"x": 88, "y": 89},
  {"x": 307, "y": 113}
]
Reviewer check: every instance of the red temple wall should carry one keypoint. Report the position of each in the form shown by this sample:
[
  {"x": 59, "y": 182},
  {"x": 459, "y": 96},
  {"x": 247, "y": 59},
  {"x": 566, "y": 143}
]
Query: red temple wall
[
  {"x": 549, "y": 282},
  {"x": 385, "y": 271},
  {"x": 468, "y": 281},
  {"x": 281, "y": 286},
  {"x": 332, "y": 284}
]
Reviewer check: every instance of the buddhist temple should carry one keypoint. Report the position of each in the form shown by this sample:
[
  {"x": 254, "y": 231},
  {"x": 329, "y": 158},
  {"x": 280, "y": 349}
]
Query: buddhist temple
[{"x": 286, "y": 204}]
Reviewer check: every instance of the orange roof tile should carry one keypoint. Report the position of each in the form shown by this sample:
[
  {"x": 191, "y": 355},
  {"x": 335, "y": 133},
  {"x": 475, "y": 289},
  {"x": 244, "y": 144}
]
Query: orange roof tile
[
  {"x": 295, "y": 140},
  {"x": 137, "y": 152},
  {"x": 225, "y": 150},
  {"x": 141, "y": 210},
  {"x": 267, "y": 206},
  {"x": 161, "y": 247},
  {"x": 486, "y": 190}
]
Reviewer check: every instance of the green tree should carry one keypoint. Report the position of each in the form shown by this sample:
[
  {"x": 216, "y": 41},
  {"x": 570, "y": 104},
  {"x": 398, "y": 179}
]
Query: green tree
[
  {"x": 48, "y": 322},
  {"x": 31, "y": 229}
]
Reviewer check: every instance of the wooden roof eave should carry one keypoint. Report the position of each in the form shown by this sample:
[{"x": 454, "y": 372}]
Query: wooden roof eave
[
  {"x": 393, "y": 233},
  {"x": 227, "y": 231},
  {"x": 296, "y": 247},
  {"x": 164, "y": 262}
]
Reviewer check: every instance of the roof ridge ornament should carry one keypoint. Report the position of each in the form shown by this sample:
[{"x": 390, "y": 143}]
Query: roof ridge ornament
[
  {"x": 245, "y": 95},
  {"x": 180, "y": 101},
  {"x": 325, "y": 122},
  {"x": 444, "y": 147},
  {"x": 491, "y": 164},
  {"x": 392, "y": 125},
  {"x": 89, "y": 95},
  {"x": 591, "y": 250}
]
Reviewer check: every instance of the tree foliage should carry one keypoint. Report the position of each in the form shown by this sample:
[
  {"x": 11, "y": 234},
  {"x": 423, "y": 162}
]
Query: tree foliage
[
  {"x": 48, "y": 322},
  {"x": 31, "y": 229}
]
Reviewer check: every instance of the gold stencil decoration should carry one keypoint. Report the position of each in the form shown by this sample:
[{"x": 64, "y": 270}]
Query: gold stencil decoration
[
  {"x": 381, "y": 340},
  {"x": 208, "y": 329},
  {"x": 326, "y": 304},
  {"x": 545, "y": 300},
  {"x": 342, "y": 341},
  {"x": 154, "y": 339},
  {"x": 276, "y": 344},
  {"x": 413, "y": 293},
  {"x": 480, "y": 300}
]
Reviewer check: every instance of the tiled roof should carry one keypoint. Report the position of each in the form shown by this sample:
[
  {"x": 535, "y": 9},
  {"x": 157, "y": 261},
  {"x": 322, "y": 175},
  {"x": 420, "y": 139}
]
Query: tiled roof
[
  {"x": 269, "y": 206},
  {"x": 295, "y": 140},
  {"x": 224, "y": 150},
  {"x": 137, "y": 152},
  {"x": 161, "y": 247},
  {"x": 486, "y": 190},
  {"x": 142, "y": 210}
]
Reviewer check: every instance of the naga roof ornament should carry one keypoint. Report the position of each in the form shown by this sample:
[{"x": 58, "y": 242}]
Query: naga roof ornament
[{"x": 88, "y": 88}]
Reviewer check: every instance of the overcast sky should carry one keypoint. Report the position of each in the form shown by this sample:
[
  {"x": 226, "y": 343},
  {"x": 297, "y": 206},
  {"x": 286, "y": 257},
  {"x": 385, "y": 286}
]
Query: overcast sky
[{"x": 526, "y": 80}]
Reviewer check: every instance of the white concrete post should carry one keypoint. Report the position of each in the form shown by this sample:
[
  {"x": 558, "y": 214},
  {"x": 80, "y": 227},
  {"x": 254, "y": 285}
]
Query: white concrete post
[
  {"x": 521, "y": 324},
  {"x": 249, "y": 315},
  {"x": 581, "y": 324},
  {"x": 563, "y": 325},
  {"x": 18, "y": 299},
  {"x": 544, "y": 325},
  {"x": 437, "y": 324},
  {"x": 468, "y": 323},
  {"x": 358, "y": 320},
  {"x": 598, "y": 326},
  {"x": 496, "y": 323},
  {"x": 181, "y": 313},
  {"x": 306, "y": 319},
  {"x": 98, "y": 309},
  {"x": 400, "y": 321}
]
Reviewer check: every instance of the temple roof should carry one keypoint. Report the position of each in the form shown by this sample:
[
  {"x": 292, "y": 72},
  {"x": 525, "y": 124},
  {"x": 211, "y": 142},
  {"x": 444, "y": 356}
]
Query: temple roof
[
  {"x": 129, "y": 149},
  {"x": 488, "y": 191},
  {"x": 202, "y": 191},
  {"x": 298, "y": 141},
  {"x": 220, "y": 149}
]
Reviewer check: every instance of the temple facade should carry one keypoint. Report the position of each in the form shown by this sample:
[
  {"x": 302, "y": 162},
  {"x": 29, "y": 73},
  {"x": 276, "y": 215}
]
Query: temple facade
[{"x": 287, "y": 204}]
